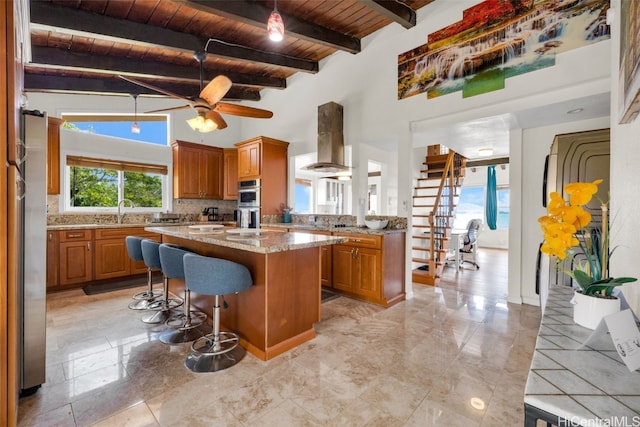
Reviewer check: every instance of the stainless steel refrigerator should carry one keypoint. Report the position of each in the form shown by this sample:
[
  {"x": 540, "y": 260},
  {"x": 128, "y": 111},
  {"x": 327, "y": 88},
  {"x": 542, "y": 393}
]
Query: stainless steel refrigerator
[{"x": 28, "y": 208}]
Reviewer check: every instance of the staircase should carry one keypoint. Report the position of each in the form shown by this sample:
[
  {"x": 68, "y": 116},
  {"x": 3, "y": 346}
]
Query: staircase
[{"x": 434, "y": 202}]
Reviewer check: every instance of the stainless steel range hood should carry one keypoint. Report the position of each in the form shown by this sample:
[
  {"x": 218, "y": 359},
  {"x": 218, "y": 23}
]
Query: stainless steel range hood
[{"x": 330, "y": 140}]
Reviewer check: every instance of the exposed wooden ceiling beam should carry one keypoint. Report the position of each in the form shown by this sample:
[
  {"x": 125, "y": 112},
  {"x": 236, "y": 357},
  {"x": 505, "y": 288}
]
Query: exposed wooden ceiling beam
[
  {"x": 46, "y": 83},
  {"x": 488, "y": 162},
  {"x": 66, "y": 20},
  {"x": 394, "y": 10},
  {"x": 252, "y": 13},
  {"x": 47, "y": 57}
]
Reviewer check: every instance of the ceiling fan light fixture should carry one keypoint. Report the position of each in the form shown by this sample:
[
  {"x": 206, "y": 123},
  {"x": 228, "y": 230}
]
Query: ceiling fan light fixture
[
  {"x": 135, "y": 128},
  {"x": 201, "y": 124},
  {"x": 275, "y": 25}
]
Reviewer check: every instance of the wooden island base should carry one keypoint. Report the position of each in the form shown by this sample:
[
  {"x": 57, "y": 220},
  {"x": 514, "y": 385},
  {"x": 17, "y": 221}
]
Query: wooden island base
[{"x": 279, "y": 311}]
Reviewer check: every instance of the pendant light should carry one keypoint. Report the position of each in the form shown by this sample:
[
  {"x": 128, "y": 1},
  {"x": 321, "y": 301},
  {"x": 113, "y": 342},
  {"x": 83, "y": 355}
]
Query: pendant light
[
  {"x": 134, "y": 127},
  {"x": 275, "y": 26}
]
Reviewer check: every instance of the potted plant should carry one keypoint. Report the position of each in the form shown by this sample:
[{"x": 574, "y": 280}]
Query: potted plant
[
  {"x": 567, "y": 226},
  {"x": 286, "y": 213}
]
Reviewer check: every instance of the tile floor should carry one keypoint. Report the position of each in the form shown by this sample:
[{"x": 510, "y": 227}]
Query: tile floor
[{"x": 454, "y": 355}]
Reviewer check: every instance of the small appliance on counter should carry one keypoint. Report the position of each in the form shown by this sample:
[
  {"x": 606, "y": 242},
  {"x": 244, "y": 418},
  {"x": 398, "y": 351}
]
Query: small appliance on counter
[
  {"x": 248, "y": 218},
  {"x": 211, "y": 213},
  {"x": 161, "y": 217}
]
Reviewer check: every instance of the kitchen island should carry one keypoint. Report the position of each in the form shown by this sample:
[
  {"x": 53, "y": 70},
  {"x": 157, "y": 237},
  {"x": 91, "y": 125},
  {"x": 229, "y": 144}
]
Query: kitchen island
[{"x": 279, "y": 311}]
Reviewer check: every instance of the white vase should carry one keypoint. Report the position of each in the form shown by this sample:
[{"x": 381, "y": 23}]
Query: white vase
[{"x": 588, "y": 310}]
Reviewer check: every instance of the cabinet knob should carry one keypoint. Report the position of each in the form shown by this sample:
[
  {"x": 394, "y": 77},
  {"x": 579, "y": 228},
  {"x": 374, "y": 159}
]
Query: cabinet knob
[
  {"x": 74, "y": 235},
  {"x": 88, "y": 246}
]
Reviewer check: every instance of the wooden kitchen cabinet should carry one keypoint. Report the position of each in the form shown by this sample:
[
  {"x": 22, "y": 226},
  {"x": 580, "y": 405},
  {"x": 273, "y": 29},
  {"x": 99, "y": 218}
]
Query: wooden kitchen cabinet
[
  {"x": 53, "y": 154},
  {"x": 249, "y": 159},
  {"x": 370, "y": 267},
  {"x": 111, "y": 255},
  {"x": 197, "y": 171},
  {"x": 266, "y": 159},
  {"x": 230, "y": 179},
  {"x": 76, "y": 257},
  {"x": 79, "y": 257},
  {"x": 325, "y": 256},
  {"x": 53, "y": 265}
]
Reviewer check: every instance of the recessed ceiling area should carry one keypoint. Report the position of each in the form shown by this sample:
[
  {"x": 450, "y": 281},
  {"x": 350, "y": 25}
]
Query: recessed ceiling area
[{"x": 467, "y": 138}]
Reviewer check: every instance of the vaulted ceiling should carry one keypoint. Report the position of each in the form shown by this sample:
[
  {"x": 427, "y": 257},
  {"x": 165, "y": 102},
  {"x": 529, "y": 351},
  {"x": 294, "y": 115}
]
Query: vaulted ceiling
[{"x": 83, "y": 46}]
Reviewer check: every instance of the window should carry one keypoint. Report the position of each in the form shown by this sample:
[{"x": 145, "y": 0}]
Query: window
[
  {"x": 470, "y": 206},
  {"x": 303, "y": 196},
  {"x": 503, "y": 207},
  {"x": 97, "y": 184},
  {"x": 153, "y": 127}
]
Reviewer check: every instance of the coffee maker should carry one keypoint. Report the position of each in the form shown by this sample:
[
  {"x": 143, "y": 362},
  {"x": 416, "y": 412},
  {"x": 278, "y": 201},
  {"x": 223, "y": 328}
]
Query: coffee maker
[{"x": 211, "y": 213}]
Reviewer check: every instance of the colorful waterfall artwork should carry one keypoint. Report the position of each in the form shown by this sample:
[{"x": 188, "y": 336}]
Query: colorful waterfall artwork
[{"x": 498, "y": 39}]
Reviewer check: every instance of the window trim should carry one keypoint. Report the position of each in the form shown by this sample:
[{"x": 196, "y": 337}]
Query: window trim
[{"x": 121, "y": 165}]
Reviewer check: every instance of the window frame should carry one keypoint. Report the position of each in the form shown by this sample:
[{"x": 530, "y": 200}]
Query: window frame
[
  {"x": 120, "y": 187},
  {"x": 502, "y": 206}
]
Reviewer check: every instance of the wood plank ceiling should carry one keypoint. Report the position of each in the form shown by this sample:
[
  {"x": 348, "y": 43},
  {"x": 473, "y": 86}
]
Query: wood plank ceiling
[{"x": 82, "y": 46}]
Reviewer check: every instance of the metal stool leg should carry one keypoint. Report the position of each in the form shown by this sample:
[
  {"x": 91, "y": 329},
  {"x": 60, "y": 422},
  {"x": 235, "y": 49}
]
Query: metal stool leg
[
  {"x": 184, "y": 327},
  {"x": 142, "y": 300},
  {"x": 163, "y": 306},
  {"x": 216, "y": 351}
]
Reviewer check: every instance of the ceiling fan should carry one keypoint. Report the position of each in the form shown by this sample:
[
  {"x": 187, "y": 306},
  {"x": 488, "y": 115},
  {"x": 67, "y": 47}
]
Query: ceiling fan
[{"x": 207, "y": 104}]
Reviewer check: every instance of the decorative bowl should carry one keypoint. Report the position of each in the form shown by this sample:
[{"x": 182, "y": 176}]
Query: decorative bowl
[{"x": 376, "y": 224}]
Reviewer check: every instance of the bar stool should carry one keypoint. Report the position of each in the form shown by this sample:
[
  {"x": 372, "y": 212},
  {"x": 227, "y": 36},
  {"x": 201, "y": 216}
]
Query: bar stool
[
  {"x": 218, "y": 277},
  {"x": 183, "y": 326},
  {"x": 163, "y": 304},
  {"x": 141, "y": 300}
]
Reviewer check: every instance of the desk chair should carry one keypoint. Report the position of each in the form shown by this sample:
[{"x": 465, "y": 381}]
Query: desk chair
[{"x": 469, "y": 244}]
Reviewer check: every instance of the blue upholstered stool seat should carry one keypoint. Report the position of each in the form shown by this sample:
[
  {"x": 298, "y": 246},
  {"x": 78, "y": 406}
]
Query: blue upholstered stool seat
[
  {"x": 217, "y": 277},
  {"x": 184, "y": 326},
  {"x": 141, "y": 300},
  {"x": 165, "y": 303}
]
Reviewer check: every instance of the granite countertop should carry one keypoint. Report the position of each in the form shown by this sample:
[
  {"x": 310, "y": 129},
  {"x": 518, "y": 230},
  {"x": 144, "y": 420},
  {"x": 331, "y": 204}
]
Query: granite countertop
[
  {"x": 580, "y": 384},
  {"x": 248, "y": 239},
  {"x": 146, "y": 224},
  {"x": 332, "y": 229}
]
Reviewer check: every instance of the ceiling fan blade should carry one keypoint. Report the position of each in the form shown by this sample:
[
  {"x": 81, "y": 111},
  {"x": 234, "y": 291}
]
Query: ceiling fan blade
[
  {"x": 241, "y": 110},
  {"x": 155, "y": 88},
  {"x": 182, "y": 107},
  {"x": 217, "y": 118},
  {"x": 216, "y": 89}
]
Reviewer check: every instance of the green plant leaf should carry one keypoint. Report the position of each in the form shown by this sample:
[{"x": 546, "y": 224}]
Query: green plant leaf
[{"x": 583, "y": 279}]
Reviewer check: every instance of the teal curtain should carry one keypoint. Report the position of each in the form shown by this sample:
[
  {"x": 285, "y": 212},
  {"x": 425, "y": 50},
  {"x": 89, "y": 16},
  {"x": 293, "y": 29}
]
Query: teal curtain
[{"x": 492, "y": 198}]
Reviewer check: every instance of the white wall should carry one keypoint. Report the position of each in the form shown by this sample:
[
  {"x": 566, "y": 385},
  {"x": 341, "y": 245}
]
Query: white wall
[
  {"x": 366, "y": 85},
  {"x": 625, "y": 180}
]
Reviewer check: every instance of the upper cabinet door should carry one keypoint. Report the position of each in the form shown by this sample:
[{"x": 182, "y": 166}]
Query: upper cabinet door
[
  {"x": 230, "y": 179},
  {"x": 249, "y": 161},
  {"x": 197, "y": 171}
]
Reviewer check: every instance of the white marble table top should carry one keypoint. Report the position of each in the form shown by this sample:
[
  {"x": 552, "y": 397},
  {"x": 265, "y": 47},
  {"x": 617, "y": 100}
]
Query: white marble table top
[{"x": 579, "y": 384}]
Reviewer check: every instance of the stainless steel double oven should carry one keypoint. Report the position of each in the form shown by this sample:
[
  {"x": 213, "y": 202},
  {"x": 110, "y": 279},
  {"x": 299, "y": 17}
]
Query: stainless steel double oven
[{"x": 249, "y": 203}]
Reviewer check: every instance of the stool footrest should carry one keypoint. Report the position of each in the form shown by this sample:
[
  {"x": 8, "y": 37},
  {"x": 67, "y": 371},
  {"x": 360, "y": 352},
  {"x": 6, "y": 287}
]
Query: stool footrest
[
  {"x": 182, "y": 323},
  {"x": 206, "y": 345},
  {"x": 165, "y": 305},
  {"x": 146, "y": 295}
]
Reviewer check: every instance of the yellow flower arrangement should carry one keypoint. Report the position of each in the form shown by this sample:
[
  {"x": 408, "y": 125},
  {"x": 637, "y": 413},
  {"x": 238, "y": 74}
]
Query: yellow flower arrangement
[{"x": 567, "y": 226}]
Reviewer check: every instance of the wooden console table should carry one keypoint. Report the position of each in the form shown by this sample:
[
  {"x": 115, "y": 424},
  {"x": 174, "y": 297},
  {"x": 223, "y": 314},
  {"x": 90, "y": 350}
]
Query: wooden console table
[{"x": 570, "y": 386}]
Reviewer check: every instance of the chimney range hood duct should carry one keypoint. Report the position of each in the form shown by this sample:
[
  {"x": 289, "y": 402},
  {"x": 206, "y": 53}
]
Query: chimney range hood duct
[{"x": 330, "y": 140}]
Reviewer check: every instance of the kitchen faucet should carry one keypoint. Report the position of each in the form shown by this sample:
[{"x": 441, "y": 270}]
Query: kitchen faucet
[{"x": 121, "y": 206}]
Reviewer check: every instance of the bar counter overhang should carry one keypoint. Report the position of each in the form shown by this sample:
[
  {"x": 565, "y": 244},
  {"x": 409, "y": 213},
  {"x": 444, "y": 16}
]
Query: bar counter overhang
[{"x": 279, "y": 311}]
